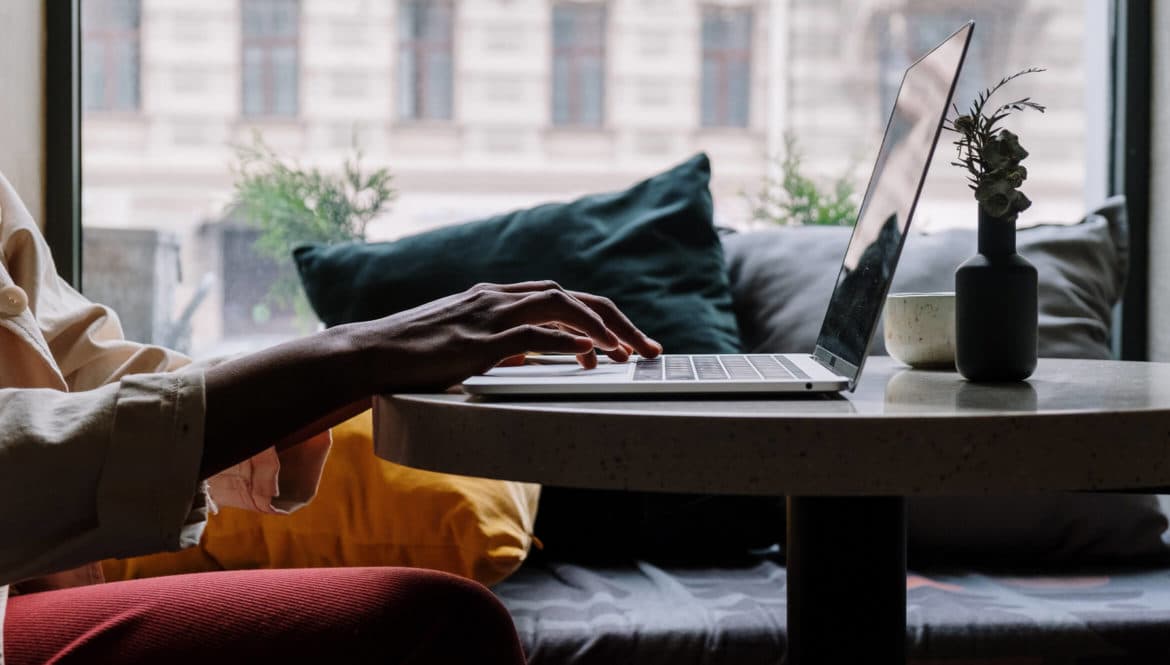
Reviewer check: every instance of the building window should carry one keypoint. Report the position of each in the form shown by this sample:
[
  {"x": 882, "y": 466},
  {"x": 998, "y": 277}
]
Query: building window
[
  {"x": 578, "y": 91},
  {"x": 270, "y": 72},
  {"x": 425, "y": 60},
  {"x": 727, "y": 66},
  {"x": 110, "y": 71}
]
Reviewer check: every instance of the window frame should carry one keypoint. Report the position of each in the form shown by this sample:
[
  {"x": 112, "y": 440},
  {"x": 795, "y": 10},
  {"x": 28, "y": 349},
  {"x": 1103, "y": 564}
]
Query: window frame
[
  {"x": 747, "y": 53},
  {"x": 1129, "y": 164},
  {"x": 62, "y": 140},
  {"x": 425, "y": 47},
  {"x": 574, "y": 122},
  {"x": 269, "y": 93},
  {"x": 112, "y": 37}
]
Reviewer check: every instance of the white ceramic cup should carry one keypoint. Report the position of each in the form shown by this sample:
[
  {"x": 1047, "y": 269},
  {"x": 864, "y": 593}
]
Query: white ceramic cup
[{"x": 920, "y": 329}]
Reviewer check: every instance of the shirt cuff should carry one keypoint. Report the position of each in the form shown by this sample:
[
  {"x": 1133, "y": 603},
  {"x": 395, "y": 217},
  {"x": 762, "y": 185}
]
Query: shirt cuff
[
  {"x": 272, "y": 482},
  {"x": 150, "y": 497}
]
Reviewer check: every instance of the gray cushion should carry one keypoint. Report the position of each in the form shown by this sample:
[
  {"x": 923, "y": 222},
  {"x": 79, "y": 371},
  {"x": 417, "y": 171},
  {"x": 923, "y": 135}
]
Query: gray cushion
[
  {"x": 736, "y": 615},
  {"x": 781, "y": 281},
  {"x": 782, "y": 278}
]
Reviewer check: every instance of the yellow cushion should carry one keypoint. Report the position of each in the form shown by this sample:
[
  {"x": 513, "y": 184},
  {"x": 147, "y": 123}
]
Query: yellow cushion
[{"x": 368, "y": 512}]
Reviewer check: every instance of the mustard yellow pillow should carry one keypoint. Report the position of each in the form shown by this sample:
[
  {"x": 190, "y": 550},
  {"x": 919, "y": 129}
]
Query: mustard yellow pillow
[{"x": 368, "y": 512}]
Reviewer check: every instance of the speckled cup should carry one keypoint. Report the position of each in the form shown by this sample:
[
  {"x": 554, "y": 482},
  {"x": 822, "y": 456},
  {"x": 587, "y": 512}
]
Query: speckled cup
[{"x": 920, "y": 329}]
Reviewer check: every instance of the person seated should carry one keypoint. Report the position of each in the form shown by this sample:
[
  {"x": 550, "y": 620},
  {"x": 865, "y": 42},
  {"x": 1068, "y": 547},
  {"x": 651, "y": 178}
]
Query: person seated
[{"x": 109, "y": 448}]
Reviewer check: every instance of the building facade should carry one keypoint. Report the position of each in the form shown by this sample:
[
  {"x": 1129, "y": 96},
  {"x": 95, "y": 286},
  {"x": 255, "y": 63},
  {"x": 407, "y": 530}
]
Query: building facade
[{"x": 479, "y": 106}]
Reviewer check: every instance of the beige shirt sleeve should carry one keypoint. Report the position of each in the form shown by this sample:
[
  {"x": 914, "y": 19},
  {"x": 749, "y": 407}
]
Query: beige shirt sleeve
[
  {"x": 110, "y": 472},
  {"x": 86, "y": 342}
]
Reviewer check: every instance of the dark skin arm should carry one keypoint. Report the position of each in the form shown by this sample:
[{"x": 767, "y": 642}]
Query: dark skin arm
[{"x": 284, "y": 394}]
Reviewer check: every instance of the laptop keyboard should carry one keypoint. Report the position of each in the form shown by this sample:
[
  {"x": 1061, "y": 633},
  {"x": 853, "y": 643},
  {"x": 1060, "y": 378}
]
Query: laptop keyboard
[{"x": 754, "y": 367}]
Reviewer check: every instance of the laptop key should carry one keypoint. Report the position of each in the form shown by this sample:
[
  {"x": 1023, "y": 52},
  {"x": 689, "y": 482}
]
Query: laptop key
[
  {"x": 678, "y": 368},
  {"x": 709, "y": 369},
  {"x": 791, "y": 367},
  {"x": 739, "y": 369},
  {"x": 769, "y": 367},
  {"x": 648, "y": 369}
]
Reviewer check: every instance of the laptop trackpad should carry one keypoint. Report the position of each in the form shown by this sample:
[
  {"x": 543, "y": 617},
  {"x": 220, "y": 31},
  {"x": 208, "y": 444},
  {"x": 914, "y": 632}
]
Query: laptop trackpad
[{"x": 605, "y": 371}]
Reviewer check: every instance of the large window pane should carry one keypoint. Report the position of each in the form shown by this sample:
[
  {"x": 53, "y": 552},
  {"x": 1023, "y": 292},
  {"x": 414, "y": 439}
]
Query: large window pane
[
  {"x": 664, "y": 80},
  {"x": 252, "y": 75},
  {"x": 284, "y": 81}
]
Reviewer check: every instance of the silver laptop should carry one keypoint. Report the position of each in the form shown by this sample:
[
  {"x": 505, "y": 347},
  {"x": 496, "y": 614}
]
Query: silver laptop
[{"x": 862, "y": 283}]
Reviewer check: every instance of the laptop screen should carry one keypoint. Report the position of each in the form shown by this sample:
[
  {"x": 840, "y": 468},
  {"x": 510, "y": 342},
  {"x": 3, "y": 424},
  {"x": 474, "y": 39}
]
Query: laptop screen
[{"x": 888, "y": 205}]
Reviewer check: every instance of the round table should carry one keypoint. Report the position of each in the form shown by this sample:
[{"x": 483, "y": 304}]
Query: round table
[{"x": 846, "y": 462}]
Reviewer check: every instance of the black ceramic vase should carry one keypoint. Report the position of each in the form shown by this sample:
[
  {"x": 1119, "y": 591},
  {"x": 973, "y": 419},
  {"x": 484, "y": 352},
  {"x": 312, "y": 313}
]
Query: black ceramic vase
[{"x": 996, "y": 311}]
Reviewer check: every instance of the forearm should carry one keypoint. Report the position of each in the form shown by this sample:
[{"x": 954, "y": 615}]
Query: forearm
[
  {"x": 281, "y": 395},
  {"x": 271, "y": 397}
]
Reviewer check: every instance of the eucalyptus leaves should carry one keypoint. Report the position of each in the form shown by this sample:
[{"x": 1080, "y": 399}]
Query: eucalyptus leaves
[{"x": 991, "y": 154}]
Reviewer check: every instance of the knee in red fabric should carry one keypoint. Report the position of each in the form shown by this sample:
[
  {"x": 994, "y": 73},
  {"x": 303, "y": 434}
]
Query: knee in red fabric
[
  {"x": 358, "y": 615},
  {"x": 451, "y": 619}
]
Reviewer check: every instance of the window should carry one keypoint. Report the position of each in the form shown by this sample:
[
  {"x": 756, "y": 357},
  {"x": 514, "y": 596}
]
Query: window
[
  {"x": 110, "y": 74},
  {"x": 653, "y": 73},
  {"x": 425, "y": 60},
  {"x": 578, "y": 68},
  {"x": 270, "y": 61},
  {"x": 727, "y": 67}
]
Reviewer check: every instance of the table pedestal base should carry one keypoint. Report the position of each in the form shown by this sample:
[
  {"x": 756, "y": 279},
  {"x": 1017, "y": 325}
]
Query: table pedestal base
[{"x": 846, "y": 580}]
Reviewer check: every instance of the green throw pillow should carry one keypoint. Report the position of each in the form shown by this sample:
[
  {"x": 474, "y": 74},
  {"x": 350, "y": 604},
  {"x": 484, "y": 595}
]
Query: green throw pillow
[{"x": 652, "y": 249}]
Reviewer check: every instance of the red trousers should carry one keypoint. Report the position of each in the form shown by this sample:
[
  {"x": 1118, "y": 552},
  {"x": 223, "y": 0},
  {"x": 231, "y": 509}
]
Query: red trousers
[{"x": 327, "y": 615}]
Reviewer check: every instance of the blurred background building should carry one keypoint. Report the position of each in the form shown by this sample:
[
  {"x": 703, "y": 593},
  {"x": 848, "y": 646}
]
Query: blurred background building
[{"x": 480, "y": 106}]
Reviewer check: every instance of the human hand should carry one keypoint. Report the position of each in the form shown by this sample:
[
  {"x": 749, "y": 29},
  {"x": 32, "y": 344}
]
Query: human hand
[{"x": 443, "y": 342}]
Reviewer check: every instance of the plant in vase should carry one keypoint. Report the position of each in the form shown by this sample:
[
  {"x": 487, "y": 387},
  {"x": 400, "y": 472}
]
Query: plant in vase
[{"x": 996, "y": 309}]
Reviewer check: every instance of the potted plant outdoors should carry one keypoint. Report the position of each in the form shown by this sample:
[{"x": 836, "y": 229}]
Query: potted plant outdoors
[
  {"x": 996, "y": 300},
  {"x": 291, "y": 205},
  {"x": 796, "y": 199}
]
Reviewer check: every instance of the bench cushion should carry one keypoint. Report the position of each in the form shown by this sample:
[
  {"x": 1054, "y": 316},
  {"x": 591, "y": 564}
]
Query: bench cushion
[
  {"x": 782, "y": 278},
  {"x": 647, "y": 614}
]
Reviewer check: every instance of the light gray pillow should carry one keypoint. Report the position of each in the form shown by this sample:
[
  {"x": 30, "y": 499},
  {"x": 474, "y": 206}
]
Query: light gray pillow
[{"x": 781, "y": 280}]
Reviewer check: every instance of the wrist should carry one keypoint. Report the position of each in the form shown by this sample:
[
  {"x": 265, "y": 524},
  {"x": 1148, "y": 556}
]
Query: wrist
[{"x": 355, "y": 358}]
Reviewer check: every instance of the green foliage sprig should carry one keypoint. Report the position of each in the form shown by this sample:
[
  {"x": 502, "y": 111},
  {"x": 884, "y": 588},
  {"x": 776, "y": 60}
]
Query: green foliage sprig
[
  {"x": 796, "y": 199},
  {"x": 992, "y": 155},
  {"x": 292, "y": 205}
]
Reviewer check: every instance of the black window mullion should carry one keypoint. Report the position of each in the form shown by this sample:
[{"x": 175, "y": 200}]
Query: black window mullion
[
  {"x": 1130, "y": 161},
  {"x": 62, "y": 194}
]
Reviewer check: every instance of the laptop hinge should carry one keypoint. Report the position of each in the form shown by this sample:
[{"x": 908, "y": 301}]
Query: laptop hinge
[
  {"x": 834, "y": 363},
  {"x": 820, "y": 361}
]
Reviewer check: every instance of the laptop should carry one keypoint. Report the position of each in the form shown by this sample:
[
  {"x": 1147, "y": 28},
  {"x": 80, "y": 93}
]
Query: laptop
[{"x": 862, "y": 283}]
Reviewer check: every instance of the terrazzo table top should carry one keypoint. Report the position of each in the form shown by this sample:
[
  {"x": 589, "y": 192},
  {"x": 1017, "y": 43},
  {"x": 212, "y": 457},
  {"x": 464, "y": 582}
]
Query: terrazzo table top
[{"x": 1074, "y": 425}]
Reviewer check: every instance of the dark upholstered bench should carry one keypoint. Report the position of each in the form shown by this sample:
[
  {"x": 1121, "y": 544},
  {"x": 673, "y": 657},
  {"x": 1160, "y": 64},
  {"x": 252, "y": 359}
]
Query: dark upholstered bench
[{"x": 649, "y": 615}]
